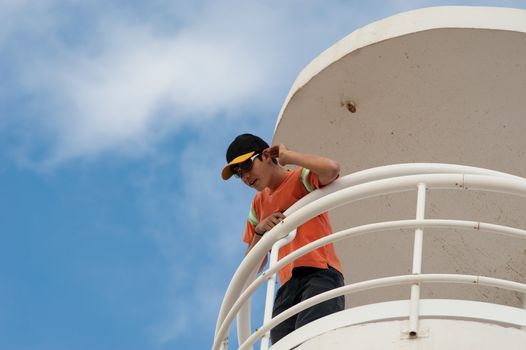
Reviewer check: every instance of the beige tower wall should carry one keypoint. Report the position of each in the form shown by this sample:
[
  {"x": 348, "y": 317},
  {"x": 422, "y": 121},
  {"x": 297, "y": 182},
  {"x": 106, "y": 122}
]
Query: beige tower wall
[{"x": 444, "y": 85}]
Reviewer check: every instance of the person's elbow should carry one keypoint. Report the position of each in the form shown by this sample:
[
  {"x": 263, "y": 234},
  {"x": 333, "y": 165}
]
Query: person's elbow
[{"x": 332, "y": 172}]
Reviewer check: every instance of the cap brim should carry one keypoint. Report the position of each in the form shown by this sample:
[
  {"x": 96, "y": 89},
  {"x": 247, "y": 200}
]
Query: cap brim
[{"x": 227, "y": 172}]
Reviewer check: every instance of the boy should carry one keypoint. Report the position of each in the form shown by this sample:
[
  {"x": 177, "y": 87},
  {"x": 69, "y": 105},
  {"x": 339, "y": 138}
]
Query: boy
[{"x": 254, "y": 162}]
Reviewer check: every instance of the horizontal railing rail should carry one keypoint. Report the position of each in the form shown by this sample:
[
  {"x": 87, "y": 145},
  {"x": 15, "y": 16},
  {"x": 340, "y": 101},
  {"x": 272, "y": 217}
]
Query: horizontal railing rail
[
  {"x": 395, "y": 170},
  {"x": 360, "y": 230},
  {"x": 378, "y": 283},
  {"x": 352, "y": 188}
]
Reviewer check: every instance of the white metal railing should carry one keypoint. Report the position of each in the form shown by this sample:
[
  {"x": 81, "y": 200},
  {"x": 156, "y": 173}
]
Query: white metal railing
[
  {"x": 357, "y": 186},
  {"x": 382, "y": 282}
]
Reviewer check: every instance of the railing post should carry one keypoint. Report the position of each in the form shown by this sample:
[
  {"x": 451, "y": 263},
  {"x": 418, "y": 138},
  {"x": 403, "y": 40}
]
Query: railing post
[
  {"x": 271, "y": 286},
  {"x": 417, "y": 262},
  {"x": 244, "y": 328}
]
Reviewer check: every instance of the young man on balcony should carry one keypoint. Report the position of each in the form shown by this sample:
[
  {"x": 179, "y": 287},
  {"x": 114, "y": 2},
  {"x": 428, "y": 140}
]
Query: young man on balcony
[{"x": 261, "y": 167}]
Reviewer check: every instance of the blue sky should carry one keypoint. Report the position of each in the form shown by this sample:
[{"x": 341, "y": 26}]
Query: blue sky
[{"x": 116, "y": 230}]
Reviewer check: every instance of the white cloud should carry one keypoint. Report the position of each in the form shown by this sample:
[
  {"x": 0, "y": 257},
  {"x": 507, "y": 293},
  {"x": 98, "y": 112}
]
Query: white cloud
[
  {"x": 128, "y": 83},
  {"x": 121, "y": 82},
  {"x": 131, "y": 90}
]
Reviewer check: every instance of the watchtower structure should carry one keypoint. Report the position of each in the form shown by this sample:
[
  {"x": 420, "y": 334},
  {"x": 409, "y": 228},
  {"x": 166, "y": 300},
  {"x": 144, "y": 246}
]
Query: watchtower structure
[{"x": 425, "y": 113}]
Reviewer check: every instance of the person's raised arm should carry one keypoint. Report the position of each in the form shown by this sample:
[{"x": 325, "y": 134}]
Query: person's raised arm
[{"x": 327, "y": 169}]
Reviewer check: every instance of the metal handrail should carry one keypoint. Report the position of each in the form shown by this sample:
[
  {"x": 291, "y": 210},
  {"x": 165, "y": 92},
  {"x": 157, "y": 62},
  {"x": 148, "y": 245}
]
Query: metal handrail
[
  {"x": 360, "y": 230},
  {"x": 395, "y": 170},
  {"x": 337, "y": 194},
  {"x": 383, "y": 282},
  {"x": 381, "y": 173}
]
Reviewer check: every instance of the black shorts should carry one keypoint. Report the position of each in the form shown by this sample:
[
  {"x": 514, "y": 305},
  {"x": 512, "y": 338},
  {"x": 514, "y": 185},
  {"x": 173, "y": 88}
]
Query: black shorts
[{"x": 306, "y": 282}]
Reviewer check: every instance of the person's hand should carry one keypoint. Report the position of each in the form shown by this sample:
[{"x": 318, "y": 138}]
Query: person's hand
[
  {"x": 269, "y": 222},
  {"x": 279, "y": 152}
]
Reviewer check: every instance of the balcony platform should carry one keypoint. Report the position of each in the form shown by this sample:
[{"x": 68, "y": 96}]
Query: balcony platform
[{"x": 446, "y": 324}]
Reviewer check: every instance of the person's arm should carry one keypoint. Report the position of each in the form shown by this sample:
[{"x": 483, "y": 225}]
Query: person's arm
[
  {"x": 261, "y": 228},
  {"x": 327, "y": 169}
]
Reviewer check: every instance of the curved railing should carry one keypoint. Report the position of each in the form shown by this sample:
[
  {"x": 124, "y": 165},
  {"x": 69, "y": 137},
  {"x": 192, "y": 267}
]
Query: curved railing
[{"x": 354, "y": 187}]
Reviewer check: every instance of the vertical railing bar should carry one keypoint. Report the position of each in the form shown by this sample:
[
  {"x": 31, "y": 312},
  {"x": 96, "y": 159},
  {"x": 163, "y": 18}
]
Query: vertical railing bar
[
  {"x": 271, "y": 286},
  {"x": 243, "y": 318},
  {"x": 417, "y": 261}
]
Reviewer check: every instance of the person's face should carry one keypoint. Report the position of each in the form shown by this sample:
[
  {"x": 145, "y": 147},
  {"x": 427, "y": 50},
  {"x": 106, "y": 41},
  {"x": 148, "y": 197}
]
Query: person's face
[
  {"x": 244, "y": 167},
  {"x": 253, "y": 172}
]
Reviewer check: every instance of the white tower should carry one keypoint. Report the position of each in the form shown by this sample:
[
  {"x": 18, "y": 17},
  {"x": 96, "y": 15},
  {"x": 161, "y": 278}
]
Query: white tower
[{"x": 434, "y": 252}]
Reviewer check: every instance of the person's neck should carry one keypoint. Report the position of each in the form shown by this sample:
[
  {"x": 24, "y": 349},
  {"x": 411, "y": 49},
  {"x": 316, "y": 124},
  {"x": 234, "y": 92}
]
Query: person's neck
[{"x": 279, "y": 175}]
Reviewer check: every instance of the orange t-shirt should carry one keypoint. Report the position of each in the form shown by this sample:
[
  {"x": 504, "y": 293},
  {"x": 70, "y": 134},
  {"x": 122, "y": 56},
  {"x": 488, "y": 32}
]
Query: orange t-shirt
[{"x": 296, "y": 185}]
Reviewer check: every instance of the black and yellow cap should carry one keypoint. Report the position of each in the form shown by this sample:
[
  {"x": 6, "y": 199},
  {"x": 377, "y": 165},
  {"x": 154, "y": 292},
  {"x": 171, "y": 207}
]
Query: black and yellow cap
[{"x": 242, "y": 148}]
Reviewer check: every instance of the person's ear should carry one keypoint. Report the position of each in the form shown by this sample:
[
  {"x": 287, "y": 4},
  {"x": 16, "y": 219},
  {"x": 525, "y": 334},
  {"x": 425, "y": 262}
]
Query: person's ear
[{"x": 266, "y": 153}]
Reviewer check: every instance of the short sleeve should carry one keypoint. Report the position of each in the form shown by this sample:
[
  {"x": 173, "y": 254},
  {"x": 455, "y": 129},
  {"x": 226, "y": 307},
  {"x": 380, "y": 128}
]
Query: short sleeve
[
  {"x": 252, "y": 221},
  {"x": 309, "y": 180}
]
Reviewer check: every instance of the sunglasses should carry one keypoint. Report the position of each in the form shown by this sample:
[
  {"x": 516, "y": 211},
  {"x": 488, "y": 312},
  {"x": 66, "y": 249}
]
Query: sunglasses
[{"x": 244, "y": 167}]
